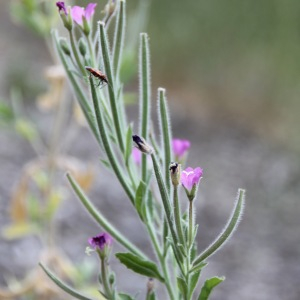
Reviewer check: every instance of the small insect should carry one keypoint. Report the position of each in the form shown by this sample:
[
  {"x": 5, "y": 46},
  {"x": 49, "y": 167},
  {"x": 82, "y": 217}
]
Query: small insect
[{"x": 98, "y": 74}]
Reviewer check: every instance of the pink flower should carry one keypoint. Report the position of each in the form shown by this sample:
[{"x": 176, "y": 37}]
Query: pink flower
[
  {"x": 191, "y": 177},
  {"x": 79, "y": 12},
  {"x": 136, "y": 156},
  {"x": 100, "y": 241},
  {"x": 180, "y": 147}
]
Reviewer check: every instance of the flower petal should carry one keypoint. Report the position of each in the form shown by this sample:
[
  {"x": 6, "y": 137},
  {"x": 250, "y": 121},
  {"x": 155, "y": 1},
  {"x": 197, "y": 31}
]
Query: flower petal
[
  {"x": 77, "y": 13},
  {"x": 89, "y": 11}
]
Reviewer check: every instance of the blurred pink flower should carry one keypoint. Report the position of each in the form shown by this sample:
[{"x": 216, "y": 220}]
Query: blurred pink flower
[
  {"x": 191, "y": 177},
  {"x": 136, "y": 156},
  {"x": 79, "y": 12},
  {"x": 180, "y": 147}
]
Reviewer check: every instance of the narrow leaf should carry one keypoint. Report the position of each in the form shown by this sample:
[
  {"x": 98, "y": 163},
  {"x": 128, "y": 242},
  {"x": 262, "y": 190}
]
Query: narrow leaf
[
  {"x": 128, "y": 149},
  {"x": 123, "y": 296},
  {"x": 63, "y": 285},
  {"x": 101, "y": 220},
  {"x": 182, "y": 287},
  {"x": 193, "y": 283},
  {"x": 107, "y": 144},
  {"x": 145, "y": 94},
  {"x": 103, "y": 41},
  {"x": 139, "y": 265},
  {"x": 208, "y": 286},
  {"x": 119, "y": 37},
  {"x": 165, "y": 128},
  {"x": 82, "y": 100},
  {"x": 228, "y": 230},
  {"x": 140, "y": 199}
]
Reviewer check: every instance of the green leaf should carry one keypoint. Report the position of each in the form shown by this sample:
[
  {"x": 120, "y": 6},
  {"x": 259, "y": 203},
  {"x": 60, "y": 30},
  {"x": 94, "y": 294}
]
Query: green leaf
[
  {"x": 63, "y": 285},
  {"x": 140, "y": 199},
  {"x": 199, "y": 267},
  {"x": 128, "y": 149},
  {"x": 225, "y": 235},
  {"x": 165, "y": 129},
  {"x": 100, "y": 219},
  {"x": 193, "y": 283},
  {"x": 182, "y": 286},
  {"x": 208, "y": 286},
  {"x": 123, "y": 296},
  {"x": 139, "y": 265}
]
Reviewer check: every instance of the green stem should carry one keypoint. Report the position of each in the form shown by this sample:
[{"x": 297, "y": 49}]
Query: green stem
[
  {"x": 92, "y": 56},
  {"x": 111, "y": 90},
  {"x": 145, "y": 94},
  {"x": 105, "y": 283},
  {"x": 177, "y": 216},
  {"x": 161, "y": 259},
  {"x": 107, "y": 146},
  {"x": 75, "y": 53},
  {"x": 167, "y": 207},
  {"x": 165, "y": 128},
  {"x": 191, "y": 224}
]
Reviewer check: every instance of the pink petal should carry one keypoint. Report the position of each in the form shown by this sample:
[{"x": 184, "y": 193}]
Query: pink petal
[
  {"x": 77, "y": 12},
  {"x": 89, "y": 11}
]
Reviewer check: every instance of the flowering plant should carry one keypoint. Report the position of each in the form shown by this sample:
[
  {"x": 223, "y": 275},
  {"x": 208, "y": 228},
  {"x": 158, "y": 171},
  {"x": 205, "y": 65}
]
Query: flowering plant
[{"x": 171, "y": 232}]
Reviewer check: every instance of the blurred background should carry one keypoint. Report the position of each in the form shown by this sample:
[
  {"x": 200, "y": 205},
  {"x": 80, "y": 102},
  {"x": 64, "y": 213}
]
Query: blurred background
[{"x": 231, "y": 69}]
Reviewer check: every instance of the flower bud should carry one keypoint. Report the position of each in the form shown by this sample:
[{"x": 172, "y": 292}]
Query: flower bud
[
  {"x": 82, "y": 47},
  {"x": 142, "y": 145},
  {"x": 64, "y": 46},
  {"x": 175, "y": 172},
  {"x": 65, "y": 15},
  {"x": 150, "y": 286},
  {"x": 86, "y": 26}
]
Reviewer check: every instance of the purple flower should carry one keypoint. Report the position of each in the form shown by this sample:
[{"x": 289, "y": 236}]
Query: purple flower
[
  {"x": 191, "y": 177},
  {"x": 100, "y": 241},
  {"x": 61, "y": 7},
  {"x": 79, "y": 12},
  {"x": 180, "y": 147},
  {"x": 136, "y": 156}
]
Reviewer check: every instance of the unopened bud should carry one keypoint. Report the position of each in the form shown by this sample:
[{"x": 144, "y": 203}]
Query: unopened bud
[
  {"x": 64, "y": 46},
  {"x": 150, "y": 286},
  {"x": 82, "y": 47},
  {"x": 142, "y": 145},
  {"x": 175, "y": 172},
  {"x": 112, "y": 278}
]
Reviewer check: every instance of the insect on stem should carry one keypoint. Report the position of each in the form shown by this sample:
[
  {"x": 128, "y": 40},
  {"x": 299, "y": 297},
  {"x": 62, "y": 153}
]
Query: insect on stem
[{"x": 97, "y": 74}]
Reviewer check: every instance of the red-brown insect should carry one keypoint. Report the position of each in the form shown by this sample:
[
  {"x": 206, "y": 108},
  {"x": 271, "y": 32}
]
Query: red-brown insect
[{"x": 98, "y": 74}]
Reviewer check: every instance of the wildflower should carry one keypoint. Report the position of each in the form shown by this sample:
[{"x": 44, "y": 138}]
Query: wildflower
[
  {"x": 62, "y": 7},
  {"x": 65, "y": 16},
  {"x": 180, "y": 147},
  {"x": 190, "y": 179},
  {"x": 175, "y": 171},
  {"x": 136, "y": 156},
  {"x": 82, "y": 15},
  {"x": 142, "y": 145},
  {"x": 101, "y": 243}
]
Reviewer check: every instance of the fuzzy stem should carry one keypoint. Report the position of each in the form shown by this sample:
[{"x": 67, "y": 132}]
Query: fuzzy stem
[
  {"x": 191, "y": 224},
  {"x": 178, "y": 216},
  {"x": 75, "y": 53},
  {"x": 145, "y": 94},
  {"x": 104, "y": 274},
  {"x": 166, "y": 134},
  {"x": 111, "y": 90},
  {"x": 107, "y": 146},
  {"x": 227, "y": 231}
]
